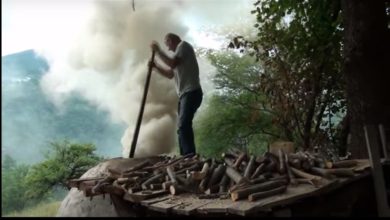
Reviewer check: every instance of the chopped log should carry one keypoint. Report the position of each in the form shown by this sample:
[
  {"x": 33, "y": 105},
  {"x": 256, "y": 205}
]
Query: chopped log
[
  {"x": 196, "y": 157},
  {"x": 306, "y": 165},
  {"x": 172, "y": 162},
  {"x": 156, "y": 186},
  {"x": 235, "y": 150},
  {"x": 235, "y": 176},
  {"x": 134, "y": 189},
  {"x": 191, "y": 168},
  {"x": 273, "y": 163},
  {"x": 259, "y": 170},
  {"x": 249, "y": 169},
  {"x": 310, "y": 159},
  {"x": 260, "y": 179},
  {"x": 319, "y": 162},
  {"x": 171, "y": 174},
  {"x": 322, "y": 172},
  {"x": 259, "y": 195},
  {"x": 316, "y": 180},
  {"x": 157, "y": 171},
  {"x": 203, "y": 184},
  {"x": 295, "y": 162},
  {"x": 196, "y": 175},
  {"x": 166, "y": 185},
  {"x": 153, "y": 179},
  {"x": 344, "y": 164},
  {"x": 182, "y": 180},
  {"x": 187, "y": 164},
  {"x": 328, "y": 164},
  {"x": 228, "y": 162},
  {"x": 268, "y": 174},
  {"x": 229, "y": 155},
  {"x": 239, "y": 160},
  {"x": 223, "y": 184},
  {"x": 117, "y": 185},
  {"x": 341, "y": 172},
  {"x": 106, "y": 181},
  {"x": 239, "y": 186},
  {"x": 244, "y": 193},
  {"x": 177, "y": 189},
  {"x": 263, "y": 179},
  {"x": 98, "y": 187},
  {"x": 282, "y": 168},
  {"x": 290, "y": 176},
  {"x": 212, "y": 189},
  {"x": 135, "y": 174},
  {"x": 217, "y": 175},
  {"x": 261, "y": 159},
  {"x": 306, "y": 181},
  {"x": 122, "y": 180}
]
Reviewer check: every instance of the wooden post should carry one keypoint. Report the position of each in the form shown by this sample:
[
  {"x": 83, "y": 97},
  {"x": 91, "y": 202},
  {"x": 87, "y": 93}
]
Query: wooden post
[
  {"x": 376, "y": 169},
  {"x": 383, "y": 140},
  {"x": 141, "y": 111}
]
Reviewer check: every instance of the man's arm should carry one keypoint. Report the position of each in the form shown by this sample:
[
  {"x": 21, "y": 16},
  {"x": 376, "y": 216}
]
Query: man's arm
[
  {"x": 165, "y": 72},
  {"x": 171, "y": 62}
]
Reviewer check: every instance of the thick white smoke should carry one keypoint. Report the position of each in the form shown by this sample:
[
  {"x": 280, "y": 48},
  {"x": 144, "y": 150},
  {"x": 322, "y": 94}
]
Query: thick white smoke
[
  {"x": 106, "y": 63},
  {"x": 108, "y": 66}
]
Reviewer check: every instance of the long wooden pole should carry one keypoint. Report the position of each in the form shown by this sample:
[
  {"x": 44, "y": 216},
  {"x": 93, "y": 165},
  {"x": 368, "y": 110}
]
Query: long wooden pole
[{"x": 141, "y": 111}]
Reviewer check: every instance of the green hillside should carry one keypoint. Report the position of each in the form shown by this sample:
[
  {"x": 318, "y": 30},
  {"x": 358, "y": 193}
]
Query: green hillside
[{"x": 30, "y": 121}]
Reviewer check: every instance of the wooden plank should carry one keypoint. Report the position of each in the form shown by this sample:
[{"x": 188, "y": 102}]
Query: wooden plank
[
  {"x": 363, "y": 164},
  {"x": 189, "y": 204},
  {"x": 140, "y": 196},
  {"x": 76, "y": 182},
  {"x": 215, "y": 206},
  {"x": 148, "y": 202},
  {"x": 165, "y": 206},
  {"x": 292, "y": 194}
]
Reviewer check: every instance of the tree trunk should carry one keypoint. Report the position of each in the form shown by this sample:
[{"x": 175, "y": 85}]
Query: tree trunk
[{"x": 366, "y": 47}]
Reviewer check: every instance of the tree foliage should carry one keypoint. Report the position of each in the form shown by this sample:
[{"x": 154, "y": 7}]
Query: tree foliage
[
  {"x": 64, "y": 161},
  {"x": 299, "y": 48},
  {"x": 234, "y": 115}
]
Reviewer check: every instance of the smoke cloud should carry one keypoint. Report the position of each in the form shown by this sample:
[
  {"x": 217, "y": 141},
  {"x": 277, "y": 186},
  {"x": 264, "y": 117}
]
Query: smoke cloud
[
  {"x": 108, "y": 66},
  {"x": 106, "y": 63}
]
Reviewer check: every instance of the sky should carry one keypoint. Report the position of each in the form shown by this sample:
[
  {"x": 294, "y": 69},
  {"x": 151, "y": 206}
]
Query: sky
[
  {"x": 52, "y": 24},
  {"x": 99, "y": 49}
]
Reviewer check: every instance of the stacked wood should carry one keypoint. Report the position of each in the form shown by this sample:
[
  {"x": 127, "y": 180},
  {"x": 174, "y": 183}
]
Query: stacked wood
[{"x": 238, "y": 175}]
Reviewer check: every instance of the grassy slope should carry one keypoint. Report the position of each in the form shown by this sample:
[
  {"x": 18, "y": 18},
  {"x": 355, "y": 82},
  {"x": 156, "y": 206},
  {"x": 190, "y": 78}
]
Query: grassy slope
[{"x": 41, "y": 210}]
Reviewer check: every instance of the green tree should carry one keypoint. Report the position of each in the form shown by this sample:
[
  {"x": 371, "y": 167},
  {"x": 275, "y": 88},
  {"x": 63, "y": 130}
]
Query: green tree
[
  {"x": 64, "y": 161},
  {"x": 13, "y": 187},
  {"x": 235, "y": 114}
]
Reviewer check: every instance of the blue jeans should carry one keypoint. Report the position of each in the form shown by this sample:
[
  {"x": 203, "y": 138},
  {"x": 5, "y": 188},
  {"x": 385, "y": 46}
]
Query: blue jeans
[{"x": 188, "y": 104}]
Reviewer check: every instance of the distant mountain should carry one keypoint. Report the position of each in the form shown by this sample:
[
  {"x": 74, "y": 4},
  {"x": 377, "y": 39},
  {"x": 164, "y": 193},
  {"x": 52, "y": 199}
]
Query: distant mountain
[{"x": 30, "y": 121}]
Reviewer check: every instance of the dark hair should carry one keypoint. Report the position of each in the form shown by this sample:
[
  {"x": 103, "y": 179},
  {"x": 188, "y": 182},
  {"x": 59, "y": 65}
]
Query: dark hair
[{"x": 173, "y": 37}]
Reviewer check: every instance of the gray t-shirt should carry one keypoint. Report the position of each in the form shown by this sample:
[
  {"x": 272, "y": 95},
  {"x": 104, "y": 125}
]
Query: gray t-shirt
[{"x": 186, "y": 73}]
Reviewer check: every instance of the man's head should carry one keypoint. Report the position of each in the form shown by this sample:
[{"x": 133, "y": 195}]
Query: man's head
[{"x": 171, "y": 41}]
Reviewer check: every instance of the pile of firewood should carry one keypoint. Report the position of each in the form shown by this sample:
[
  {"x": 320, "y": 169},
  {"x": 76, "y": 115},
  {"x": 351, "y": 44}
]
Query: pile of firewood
[{"x": 236, "y": 174}]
